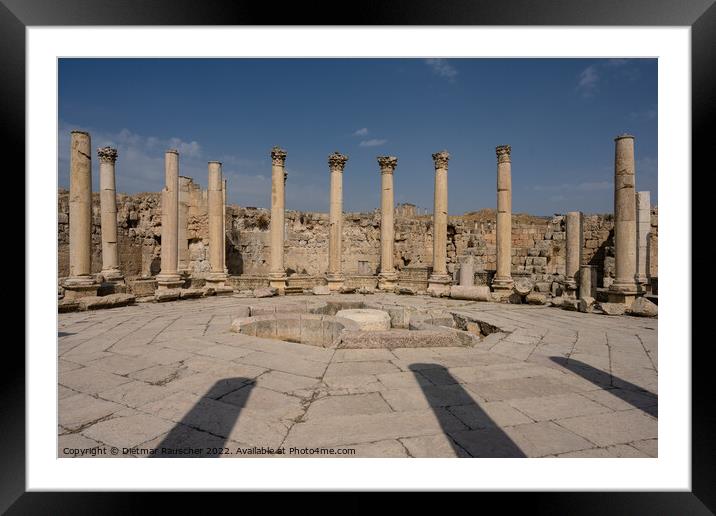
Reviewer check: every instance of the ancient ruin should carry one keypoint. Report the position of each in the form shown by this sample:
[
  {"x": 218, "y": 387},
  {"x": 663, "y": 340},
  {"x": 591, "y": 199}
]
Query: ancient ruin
[{"x": 389, "y": 333}]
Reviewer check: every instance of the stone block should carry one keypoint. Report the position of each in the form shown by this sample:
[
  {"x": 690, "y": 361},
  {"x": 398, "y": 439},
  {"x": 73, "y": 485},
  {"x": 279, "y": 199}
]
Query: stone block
[
  {"x": 536, "y": 298},
  {"x": 109, "y": 301},
  {"x": 265, "y": 292},
  {"x": 321, "y": 290},
  {"x": 641, "y": 307},
  {"x": 613, "y": 308},
  {"x": 171, "y": 294},
  {"x": 478, "y": 293}
]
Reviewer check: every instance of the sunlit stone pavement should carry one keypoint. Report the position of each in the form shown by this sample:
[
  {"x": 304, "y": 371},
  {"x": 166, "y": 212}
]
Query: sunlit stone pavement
[{"x": 170, "y": 379}]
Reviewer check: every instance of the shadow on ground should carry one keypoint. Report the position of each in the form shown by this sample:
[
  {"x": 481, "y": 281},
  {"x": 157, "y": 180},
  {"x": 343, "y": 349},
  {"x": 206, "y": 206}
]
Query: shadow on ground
[
  {"x": 208, "y": 424},
  {"x": 486, "y": 439},
  {"x": 631, "y": 393}
]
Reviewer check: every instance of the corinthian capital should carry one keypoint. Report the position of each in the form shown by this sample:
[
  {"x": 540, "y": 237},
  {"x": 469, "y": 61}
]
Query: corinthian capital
[
  {"x": 387, "y": 164},
  {"x": 441, "y": 159},
  {"x": 278, "y": 156},
  {"x": 107, "y": 154},
  {"x": 503, "y": 153},
  {"x": 337, "y": 161}
]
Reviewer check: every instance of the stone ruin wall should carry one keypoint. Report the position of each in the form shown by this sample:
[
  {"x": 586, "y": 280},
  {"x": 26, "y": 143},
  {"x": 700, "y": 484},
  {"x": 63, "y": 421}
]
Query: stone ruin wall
[{"x": 538, "y": 242}]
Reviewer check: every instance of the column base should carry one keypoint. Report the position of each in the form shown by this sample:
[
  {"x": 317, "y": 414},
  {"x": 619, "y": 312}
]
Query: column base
[
  {"x": 277, "y": 280},
  {"x": 387, "y": 281},
  {"x": 80, "y": 286},
  {"x": 624, "y": 293},
  {"x": 113, "y": 276},
  {"x": 439, "y": 285},
  {"x": 216, "y": 279},
  {"x": 169, "y": 281},
  {"x": 335, "y": 281},
  {"x": 503, "y": 284}
]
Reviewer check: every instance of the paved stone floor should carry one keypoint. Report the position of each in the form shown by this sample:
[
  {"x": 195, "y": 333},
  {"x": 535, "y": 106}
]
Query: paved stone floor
[{"x": 172, "y": 380}]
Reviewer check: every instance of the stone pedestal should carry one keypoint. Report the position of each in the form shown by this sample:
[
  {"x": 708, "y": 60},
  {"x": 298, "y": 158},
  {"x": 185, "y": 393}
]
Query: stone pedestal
[
  {"x": 335, "y": 278},
  {"x": 587, "y": 281},
  {"x": 277, "y": 272},
  {"x": 440, "y": 281},
  {"x": 503, "y": 282},
  {"x": 387, "y": 278},
  {"x": 169, "y": 278},
  {"x": 80, "y": 282},
  {"x": 215, "y": 198},
  {"x": 643, "y": 228},
  {"x": 624, "y": 289},
  {"x": 573, "y": 251},
  {"x": 467, "y": 273},
  {"x": 182, "y": 236}
]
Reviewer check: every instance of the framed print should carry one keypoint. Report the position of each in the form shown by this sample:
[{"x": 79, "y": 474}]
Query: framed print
[{"x": 419, "y": 252}]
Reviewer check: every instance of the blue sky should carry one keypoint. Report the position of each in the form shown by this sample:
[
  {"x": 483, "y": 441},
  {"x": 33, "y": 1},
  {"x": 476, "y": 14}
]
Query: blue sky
[{"x": 559, "y": 115}]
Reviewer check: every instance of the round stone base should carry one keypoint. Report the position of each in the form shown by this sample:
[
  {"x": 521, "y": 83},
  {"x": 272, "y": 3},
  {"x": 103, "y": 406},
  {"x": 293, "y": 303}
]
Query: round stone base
[{"x": 367, "y": 318}]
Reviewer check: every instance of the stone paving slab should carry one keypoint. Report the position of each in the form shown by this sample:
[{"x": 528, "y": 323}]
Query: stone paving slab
[{"x": 551, "y": 383}]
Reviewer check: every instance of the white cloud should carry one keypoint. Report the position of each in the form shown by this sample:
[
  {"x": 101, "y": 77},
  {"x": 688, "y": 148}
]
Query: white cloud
[
  {"x": 442, "y": 68},
  {"x": 361, "y": 132},
  {"x": 588, "y": 81},
  {"x": 372, "y": 143}
]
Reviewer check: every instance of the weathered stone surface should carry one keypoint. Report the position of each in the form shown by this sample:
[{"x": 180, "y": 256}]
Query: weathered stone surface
[
  {"x": 586, "y": 304},
  {"x": 321, "y": 290},
  {"x": 536, "y": 298},
  {"x": 365, "y": 290},
  {"x": 641, "y": 307},
  {"x": 347, "y": 290},
  {"x": 406, "y": 291},
  {"x": 570, "y": 304},
  {"x": 188, "y": 293},
  {"x": 613, "y": 308},
  {"x": 523, "y": 286},
  {"x": 479, "y": 293},
  {"x": 543, "y": 286},
  {"x": 265, "y": 292},
  {"x": 167, "y": 295},
  {"x": 367, "y": 319},
  {"x": 109, "y": 301},
  {"x": 67, "y": 305}
]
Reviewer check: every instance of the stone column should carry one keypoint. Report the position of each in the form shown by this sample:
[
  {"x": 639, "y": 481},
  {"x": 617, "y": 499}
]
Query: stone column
[
  {"x": 80, "y": 282},
  {"x": 439, "y": 281},
  {"x": 573, "y": 251},
  {"x": 586, "y": 281},
  {"x": 387, "y": 278},
  {"x": 108, "y": 207},
  {"x": 336, "y": 164},
  {"x": 215, "y": 199},
  {"x": 223, "y": 232},
  {"x": 503, "y": 282},
  {"x": 624, "y": 288},
  {"x": 643, "y": 228},
  {"x": 183, "y": 221},
  {"x": 277, "y": 273},
  {"x": 169, "y": 277}
]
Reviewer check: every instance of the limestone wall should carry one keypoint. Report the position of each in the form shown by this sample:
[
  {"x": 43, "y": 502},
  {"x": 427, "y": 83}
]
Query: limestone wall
[{"x": 538, "y": 242}]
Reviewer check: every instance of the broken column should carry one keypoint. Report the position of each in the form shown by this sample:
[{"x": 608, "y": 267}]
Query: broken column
[
  {"x": 643, "y": 228},
  {"x": 336, "y": 163},
  {"x": 168, "y": 277},
  {"x": 624, "y": 288},
  {"x": 503, "y": 283},
  {"x": 80, "y": 282},
  {"x": 182, "y": 233},
  {"x": 573, "y": 251},
  {"x": 108, "y": 207},
  {"x": 277, "y": 273},
  {"x": 223, "y": 232},
  {"x": 587, "y": 281},
  {"x": 215, "y": 200},
  {"x": 388, "y": 278},
  {"x": 439, "y": 281},
  {"x": 467, "y": 272}
]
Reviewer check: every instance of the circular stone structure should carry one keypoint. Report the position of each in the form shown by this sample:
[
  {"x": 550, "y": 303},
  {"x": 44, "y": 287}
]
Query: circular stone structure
[{"x": 367, "y": 319}]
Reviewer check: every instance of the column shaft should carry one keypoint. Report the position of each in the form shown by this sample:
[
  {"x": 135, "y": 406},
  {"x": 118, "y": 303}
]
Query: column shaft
[
  {"x": 336, "y": 163},
  {"x": 223, "y": 232},
  {"x": 183, "y": 222},
  {"x": 80, "y": 206},
  {"x": 215, "y": 199},
  {"x": 503, "y": 277},
  {"x": 439, "y": 281},
  {"x": 643, "y": 214},
  {"x": 108, "y": 207},
  {"x": 387, "y": 276},
  {"x": 573, "y": 251},
  {"x": 625, "y": 244},
  {"x": 277, "y": 273},
  {"x": 169, "y": 276}
]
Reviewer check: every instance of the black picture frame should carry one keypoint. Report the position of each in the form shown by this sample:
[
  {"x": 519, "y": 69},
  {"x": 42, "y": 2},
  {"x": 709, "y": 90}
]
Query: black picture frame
[{"x": 700, "y": 15}]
